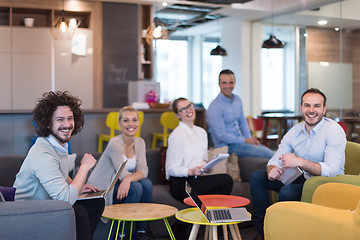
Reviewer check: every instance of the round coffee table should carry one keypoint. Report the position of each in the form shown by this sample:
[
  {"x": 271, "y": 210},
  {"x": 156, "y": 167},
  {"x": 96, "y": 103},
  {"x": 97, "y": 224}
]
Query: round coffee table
[
  {"x": 138, "y": 212},
  {"x": 212, "y": 201},
  {"x": 194, "y": 216},
  {"x": 219, "y": 201}
]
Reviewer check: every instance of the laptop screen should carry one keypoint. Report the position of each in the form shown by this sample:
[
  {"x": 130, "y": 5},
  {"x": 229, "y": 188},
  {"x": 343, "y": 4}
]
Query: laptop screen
[{"x": 195, "y": 197}]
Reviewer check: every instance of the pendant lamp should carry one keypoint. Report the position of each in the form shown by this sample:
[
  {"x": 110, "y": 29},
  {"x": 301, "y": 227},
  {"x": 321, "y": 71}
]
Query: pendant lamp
[
  {"x": 63, "y": 28},
  {"x": 156, "y": 30},
  {"x": 218, "y": 51},
  {"x": 272, "y": 42}
]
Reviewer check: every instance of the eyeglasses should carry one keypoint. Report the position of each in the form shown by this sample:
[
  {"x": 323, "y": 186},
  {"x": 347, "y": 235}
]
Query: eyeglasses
[{"x": 185, "y": 108}]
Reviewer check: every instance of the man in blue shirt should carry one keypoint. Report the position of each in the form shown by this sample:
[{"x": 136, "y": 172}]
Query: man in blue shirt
[
  {"x": 317, "y": 146},
  {"x": 228, "y": 125}
]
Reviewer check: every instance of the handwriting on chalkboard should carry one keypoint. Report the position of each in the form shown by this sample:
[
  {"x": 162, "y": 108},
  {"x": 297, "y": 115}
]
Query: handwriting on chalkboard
[{"x": 116, "y": 75}]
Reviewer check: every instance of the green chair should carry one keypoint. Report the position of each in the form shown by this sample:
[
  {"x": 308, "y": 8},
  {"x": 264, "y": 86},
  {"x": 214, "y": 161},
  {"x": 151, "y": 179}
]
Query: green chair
[{"x": 351, "y": 176}]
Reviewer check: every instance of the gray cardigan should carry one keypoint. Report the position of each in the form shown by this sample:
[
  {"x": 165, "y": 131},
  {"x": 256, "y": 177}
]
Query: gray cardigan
[
  {"x": 43, "y": 174},
  {"x": 111, "y": 159}
]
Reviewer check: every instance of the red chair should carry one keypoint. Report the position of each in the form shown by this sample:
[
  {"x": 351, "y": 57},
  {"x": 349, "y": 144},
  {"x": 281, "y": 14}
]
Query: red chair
[
  {"x": 343, "y": 125},
  {"x": 256, "y": 126}
]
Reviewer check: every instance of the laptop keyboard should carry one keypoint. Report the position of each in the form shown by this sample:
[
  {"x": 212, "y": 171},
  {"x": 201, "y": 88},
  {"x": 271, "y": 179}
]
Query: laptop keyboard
[{"x": 219, "y": 214}]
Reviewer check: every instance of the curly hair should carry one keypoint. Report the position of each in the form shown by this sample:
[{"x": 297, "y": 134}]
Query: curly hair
[{"x": 47, "y": 105}]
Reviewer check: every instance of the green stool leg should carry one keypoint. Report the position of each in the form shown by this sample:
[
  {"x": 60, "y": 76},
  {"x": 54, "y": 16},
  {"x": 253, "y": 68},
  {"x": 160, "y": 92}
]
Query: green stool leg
[
  {"x": 131, "y": 228},
  {"x": 112, "y": 223},
  {"x": 122, "y": 232},
  {"x": 168, "y": 227},
  {"x": 117, "y": 230}
]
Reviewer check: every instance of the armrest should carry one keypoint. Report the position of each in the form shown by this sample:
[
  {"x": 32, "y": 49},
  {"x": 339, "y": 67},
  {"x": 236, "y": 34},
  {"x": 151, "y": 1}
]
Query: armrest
[
  {"x": 296, "y": 220},
  {"x": 337, "y": 195},
  {"x": 37, "y": 219},
  {"x": 250, "y": 164},
  {"x": 312, "y": 183}
]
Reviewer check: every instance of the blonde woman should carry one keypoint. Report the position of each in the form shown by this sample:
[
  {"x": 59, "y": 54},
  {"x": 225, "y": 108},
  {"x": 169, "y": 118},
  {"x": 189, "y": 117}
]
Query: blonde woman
[{"x": 133, "y": 185}]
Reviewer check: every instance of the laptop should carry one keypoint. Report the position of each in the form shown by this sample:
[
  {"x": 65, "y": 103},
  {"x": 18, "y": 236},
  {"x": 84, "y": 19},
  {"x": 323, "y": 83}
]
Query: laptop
[
  {"x": 103, "y": 193},
  {"x": 219, "y": 215}
]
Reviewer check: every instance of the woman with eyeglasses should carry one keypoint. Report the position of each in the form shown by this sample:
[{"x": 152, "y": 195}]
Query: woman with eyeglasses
[{"x": 187, "y": 154}]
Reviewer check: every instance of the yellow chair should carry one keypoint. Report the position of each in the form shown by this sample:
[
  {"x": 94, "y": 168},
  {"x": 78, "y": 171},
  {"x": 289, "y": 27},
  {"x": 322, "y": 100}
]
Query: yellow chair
[
  {"x": 333, "y": 214},
  {"x": 169, "y": 121},
  {"x": 112, "y": 121},
  {"x": 351, "y": 176}
]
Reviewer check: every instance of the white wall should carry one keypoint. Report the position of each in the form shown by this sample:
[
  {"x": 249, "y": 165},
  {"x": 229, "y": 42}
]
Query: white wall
[{"x": 236, "y": 39}]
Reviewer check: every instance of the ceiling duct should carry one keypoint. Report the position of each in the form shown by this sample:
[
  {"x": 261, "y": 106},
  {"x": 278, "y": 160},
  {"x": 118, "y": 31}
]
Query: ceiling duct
[{"x": 181, "y": 16}]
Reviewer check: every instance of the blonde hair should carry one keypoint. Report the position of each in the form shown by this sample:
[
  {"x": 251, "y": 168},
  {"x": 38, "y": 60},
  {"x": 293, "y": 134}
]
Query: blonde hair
[{"x": 127, "y": 109}]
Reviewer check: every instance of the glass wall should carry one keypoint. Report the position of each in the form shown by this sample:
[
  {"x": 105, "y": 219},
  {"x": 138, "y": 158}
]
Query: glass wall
[
  {"x": 326, "y": 54},
  {"x": 210, "y": 71},
  {"x": 172, "y": 69}
]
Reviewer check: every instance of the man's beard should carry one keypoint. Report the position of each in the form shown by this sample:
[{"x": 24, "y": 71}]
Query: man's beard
[
  {"x": 319, "y": 118},
  {"x": 59, "y": 138}
]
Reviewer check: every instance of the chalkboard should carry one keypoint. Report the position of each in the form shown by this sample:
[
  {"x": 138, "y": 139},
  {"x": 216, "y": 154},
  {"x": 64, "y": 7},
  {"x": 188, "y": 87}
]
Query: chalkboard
[{"x": 120, "y": 51}]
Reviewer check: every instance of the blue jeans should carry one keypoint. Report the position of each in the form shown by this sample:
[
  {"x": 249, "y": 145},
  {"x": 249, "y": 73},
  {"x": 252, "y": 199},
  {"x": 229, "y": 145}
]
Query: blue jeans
[
  {"x": 139, "y": 192},
  {"x": 250, "y": 150},
  {"x": 260, "y": 184}
]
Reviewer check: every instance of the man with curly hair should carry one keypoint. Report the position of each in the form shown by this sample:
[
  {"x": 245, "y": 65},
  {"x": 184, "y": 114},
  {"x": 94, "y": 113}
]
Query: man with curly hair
[{"x": 44, "y": 173}]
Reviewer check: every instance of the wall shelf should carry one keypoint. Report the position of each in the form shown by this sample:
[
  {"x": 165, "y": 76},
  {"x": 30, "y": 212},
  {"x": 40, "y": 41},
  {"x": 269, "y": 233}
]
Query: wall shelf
[
  {"x": 147, "y": 51},
  {"x": 14, "y": 16},
  {"x": 4, "y": 16},
  {"x": 84, "y": 17}
]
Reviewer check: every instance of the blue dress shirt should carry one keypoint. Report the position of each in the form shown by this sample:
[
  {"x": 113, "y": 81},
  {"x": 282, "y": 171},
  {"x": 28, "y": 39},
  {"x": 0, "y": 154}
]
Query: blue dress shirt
[
  {"x": 226, "y": 121},
  {"x": 325, "y": 145}
]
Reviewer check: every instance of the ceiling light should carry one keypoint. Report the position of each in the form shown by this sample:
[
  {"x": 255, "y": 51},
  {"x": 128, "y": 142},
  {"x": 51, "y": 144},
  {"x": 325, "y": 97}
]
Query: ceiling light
[
  {"x": 272, "y": 42},
  {"x": 306, "y": 35},
  {"x": 156, "y": 30},
  {"x": 219, "y": 51},
  {"x": 164, "y": 4},
  {"x": 337, "y": 29},
  {"x": 324, "y": 64},
  {"x": 63, "y": 28},
  {"x": 322, "y": 22}
]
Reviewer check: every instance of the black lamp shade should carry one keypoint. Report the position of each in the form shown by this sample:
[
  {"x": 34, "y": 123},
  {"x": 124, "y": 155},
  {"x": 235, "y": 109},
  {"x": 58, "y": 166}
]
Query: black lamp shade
[
  {"x": 218, "y": 51},
  {"x": 273, "y": 42}
]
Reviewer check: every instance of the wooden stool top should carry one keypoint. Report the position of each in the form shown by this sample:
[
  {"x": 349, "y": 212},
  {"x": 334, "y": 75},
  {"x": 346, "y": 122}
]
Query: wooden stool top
[{"x": 138, "y": 211}]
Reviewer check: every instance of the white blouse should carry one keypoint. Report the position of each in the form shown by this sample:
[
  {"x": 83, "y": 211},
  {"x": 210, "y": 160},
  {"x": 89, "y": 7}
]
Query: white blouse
[
  {"x": 187, "y": 148},
  {"x": 131, "y": 163}
]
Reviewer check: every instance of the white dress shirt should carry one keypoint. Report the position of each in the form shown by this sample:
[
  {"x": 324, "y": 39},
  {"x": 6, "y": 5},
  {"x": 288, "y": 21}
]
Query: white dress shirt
[{"x": 187, "y": 148}]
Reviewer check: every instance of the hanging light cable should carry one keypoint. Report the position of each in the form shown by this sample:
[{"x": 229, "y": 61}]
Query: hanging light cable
[
  {"x": 218, "y": 51},
  {"x": 156, "y": 30},
  {"x": 63, "y": 28},
  {"x": 272, "y": 42}
]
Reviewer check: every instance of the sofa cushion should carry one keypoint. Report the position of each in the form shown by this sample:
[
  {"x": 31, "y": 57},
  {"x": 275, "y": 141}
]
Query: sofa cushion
[
  {"x": 233, "y": 167},
  {"x": 221, "y": 166},
  {"x": 37, "y": 219},
  {"x": 8, "y": 193},
  {"x": 12, "y": 165}
]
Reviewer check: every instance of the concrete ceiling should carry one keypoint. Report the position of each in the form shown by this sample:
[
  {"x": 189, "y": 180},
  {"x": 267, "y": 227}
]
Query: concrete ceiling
[{"x": 294, "y": 12}]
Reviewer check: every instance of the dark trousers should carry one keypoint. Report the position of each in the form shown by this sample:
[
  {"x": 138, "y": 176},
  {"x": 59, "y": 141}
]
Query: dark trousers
[
  {"x": 209, "y": 184},
  {"x": 87, "y": 216},
  {"x": 260, "y": 184}
]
